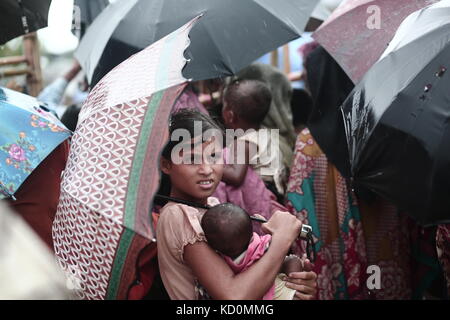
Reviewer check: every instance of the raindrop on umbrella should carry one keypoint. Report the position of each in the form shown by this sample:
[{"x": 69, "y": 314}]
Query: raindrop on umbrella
[{"x": 441, "y": 72}]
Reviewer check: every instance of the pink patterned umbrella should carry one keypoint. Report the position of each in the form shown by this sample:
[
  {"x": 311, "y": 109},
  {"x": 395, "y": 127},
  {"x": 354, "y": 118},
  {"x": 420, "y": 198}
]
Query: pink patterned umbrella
[
  {"x": 103, "y": 220},
  {"x": 359, "y": 31}
]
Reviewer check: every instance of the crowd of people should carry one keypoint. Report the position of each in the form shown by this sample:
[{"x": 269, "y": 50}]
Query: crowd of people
[
  {"x": 230, "y": 223},
  {"x": 352, "y": 230},
  {"x": 211, "y": 253}
]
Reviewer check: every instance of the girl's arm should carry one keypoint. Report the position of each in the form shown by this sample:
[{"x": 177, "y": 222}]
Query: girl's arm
[{"x": 219, "y": 280}]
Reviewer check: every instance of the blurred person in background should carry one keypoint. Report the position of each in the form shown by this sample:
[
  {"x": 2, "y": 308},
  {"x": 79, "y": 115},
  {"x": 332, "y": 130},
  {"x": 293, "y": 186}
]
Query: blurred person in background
[{"x": 28, "y": 270}]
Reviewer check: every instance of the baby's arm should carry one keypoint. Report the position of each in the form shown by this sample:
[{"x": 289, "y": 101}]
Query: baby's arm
[{"x": 292, "y": 263}]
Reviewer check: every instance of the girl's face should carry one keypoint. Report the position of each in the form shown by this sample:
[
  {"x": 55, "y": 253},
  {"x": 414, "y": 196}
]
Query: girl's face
[{"x": 196, "y": 182}]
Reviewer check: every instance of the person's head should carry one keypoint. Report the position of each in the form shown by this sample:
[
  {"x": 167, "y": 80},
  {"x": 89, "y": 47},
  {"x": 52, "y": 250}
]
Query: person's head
[
  {"x": 192, "y": 158},
  {"x": 70, "y": 117},
  {"x": 246, "y": 104},
  {"x": 228, "y": 229},
  {"x": 301, "y": 106}
]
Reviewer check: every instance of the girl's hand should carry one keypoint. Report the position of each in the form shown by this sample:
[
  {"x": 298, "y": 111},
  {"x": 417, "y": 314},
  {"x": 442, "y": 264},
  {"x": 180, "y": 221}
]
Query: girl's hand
[
  {"x": 304, "y": 282},
  {"x": 283, "y": 224}
]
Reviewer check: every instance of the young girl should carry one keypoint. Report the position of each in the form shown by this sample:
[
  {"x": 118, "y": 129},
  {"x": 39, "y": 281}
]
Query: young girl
[{"x": 186, "y": 261}]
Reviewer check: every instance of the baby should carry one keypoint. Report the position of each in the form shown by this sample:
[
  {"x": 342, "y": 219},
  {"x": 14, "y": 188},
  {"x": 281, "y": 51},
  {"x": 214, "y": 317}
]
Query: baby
[
  {"x": 245, "y": 105},
  {"x": 228, "y": 230}
]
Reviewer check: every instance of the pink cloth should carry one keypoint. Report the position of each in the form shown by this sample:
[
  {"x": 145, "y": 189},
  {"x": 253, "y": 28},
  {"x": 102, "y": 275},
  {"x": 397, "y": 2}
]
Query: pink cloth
[
  {"x": 252, "y": 196},
  {"x": 188, "y": 100},
  {"x": 255, "y": 251},
  {"x": 307, "y": 48}
]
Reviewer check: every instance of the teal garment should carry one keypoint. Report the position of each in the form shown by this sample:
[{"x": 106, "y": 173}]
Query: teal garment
[
  {"x": 28, "y": 135},
  {"x": 307, "y": 202},
  {"x": 318, "y": 195}
]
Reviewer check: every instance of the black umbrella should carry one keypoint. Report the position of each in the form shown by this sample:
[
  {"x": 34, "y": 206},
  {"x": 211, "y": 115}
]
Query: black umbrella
[
  {"x": 85, "y": 12},
  {"x": 329, "y": 86},
  {"x": 18, "y": 17},
  {"x": 397, "y": 119},
  {"x": 230, "y": 35}
]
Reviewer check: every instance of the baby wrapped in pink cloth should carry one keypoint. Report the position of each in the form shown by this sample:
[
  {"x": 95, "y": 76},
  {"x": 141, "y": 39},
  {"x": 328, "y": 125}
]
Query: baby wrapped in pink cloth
[
  {"x": 256, "y": 249},
  {"x": 228, "y": 230}
]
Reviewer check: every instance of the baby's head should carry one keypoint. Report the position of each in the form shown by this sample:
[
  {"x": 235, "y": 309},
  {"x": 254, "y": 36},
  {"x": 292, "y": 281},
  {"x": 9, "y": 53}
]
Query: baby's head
[
  {"x": 228, "y": 229},
  {"x": 245, "y": 104}
]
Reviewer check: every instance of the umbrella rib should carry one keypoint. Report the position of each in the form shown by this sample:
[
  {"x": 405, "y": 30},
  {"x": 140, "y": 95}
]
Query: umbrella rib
[{"x": 217, "y": 46}]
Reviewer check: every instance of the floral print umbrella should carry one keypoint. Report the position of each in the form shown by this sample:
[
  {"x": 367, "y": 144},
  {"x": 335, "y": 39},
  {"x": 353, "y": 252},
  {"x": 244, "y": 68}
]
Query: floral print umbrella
[{"x": 28, "y": 134}]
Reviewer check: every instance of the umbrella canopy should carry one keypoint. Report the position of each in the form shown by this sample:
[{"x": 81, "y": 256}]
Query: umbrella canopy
[
  {"x": 329, "y": 87},
  {"x": 18, "y": 17},
  {"x": 230, "y": 36},
  {"x": 358, "y": 31},
  {"x": 103, "y": 219},
  {"x": 85, "y": 13},
  {"x": 396, "y": 119},
  {"x": 27, "y": 136}
]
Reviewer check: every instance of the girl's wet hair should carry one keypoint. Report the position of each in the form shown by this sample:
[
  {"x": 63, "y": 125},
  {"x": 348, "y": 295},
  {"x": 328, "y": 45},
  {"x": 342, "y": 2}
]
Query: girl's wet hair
[{"x": 186, "y": 119}]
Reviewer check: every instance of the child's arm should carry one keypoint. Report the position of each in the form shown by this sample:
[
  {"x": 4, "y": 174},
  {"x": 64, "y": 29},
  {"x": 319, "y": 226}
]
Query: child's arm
[
  {"x": 292, "y": 263},
  {"x": 304, "y": 282},
  {"x": 234, "y": 173}
]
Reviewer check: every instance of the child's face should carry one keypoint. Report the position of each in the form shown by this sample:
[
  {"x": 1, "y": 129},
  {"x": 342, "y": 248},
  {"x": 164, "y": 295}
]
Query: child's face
[
  {"x": 196, "y": 182},
  {"x": 228, "y": 115}
]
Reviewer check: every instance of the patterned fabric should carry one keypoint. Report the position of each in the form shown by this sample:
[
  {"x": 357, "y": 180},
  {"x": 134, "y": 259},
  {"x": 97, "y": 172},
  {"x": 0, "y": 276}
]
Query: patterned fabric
[
  {"x": 425, "y": 267},
  {"x": 103, "y": 219},
  {"x": 347, "y": 238},
  {"x": 388, "y": 246},
  {"x": 28, "y": 134},
  {"x": 443, "y": 249}
]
